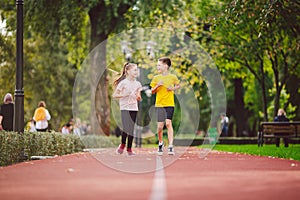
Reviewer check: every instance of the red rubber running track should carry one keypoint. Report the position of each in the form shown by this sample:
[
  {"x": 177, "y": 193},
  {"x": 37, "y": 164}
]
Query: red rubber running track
[{"x": 99, "y": 175}]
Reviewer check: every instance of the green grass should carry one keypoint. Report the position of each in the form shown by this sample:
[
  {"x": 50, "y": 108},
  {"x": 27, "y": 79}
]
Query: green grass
[{"x": 292, "y": 152}]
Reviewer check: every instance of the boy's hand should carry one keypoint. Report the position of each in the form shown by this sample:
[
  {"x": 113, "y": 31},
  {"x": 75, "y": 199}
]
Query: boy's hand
[
  {"x": 170, "y": 88},
  {"x": 160, "y": 83}
]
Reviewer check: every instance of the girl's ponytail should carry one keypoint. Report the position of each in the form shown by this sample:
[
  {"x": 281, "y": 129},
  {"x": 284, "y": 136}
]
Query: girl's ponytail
[{"x": 123, "y": 75}]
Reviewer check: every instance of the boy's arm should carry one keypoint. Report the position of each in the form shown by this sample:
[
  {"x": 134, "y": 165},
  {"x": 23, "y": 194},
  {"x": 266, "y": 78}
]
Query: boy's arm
[
  {"x": 154, "y": 89},
  {"x": 176, "y": 87}
]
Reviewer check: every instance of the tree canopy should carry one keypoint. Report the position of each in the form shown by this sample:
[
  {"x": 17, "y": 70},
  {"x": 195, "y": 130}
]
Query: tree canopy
[{"x": 254, "y": 44}]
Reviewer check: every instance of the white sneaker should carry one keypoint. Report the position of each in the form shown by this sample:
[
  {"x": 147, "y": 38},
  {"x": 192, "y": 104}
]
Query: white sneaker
[
  {"x": 160, "y": 149},
  {"x": 171, "y": 150}
]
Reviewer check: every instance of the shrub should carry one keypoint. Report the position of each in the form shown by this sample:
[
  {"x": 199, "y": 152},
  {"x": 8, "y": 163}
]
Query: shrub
[
  {"x": 14, "y": 145},
  {"x": 98, "y": 141}
]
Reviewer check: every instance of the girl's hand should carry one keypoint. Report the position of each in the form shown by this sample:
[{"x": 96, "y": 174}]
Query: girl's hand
[{"x": 138, "y": 97}]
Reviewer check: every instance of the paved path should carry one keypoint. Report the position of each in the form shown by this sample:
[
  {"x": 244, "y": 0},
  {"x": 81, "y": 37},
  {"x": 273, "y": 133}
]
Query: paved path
[{"x": 102, "y": 174}]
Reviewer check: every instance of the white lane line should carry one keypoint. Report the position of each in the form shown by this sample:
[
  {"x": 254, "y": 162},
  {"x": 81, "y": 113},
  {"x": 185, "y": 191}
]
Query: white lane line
[{"x": 159, "y": 189}]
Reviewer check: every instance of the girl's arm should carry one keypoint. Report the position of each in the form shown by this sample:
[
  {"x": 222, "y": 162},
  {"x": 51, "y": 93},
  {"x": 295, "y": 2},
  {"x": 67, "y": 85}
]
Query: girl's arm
[
  {"x": 138, "y": 94},
  {"x": 119, "y": 94}
]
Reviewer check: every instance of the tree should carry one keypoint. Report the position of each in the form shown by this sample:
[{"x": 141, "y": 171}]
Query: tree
[{"x": 261, "y": 42}]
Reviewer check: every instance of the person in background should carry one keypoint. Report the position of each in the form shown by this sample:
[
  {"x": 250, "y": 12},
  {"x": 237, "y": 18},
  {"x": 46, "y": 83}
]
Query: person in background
[
  {"x": 281, "y": 117},
  {"x": 67, "y": 128},
  {"x": 41, "y": 117},
  {"x": 30, "y": 126},
  {"x": 7, "y": 113},
  {"x": 224, "y": 125}
]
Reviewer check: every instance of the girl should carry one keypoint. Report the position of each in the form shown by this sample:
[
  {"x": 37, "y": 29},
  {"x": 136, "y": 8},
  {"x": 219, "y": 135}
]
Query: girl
[
  {"x": 128, "y": 91},
  {"x": 41, "y": 117}
]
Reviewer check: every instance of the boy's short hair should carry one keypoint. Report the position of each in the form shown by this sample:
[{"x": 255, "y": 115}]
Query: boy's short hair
[{"x": 166, "y": 60}]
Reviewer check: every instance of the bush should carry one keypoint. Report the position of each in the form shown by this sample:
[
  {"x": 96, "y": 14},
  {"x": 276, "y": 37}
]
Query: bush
[
  {"x": 14, "y": 145},
  {"x": 98, "y": 141}
]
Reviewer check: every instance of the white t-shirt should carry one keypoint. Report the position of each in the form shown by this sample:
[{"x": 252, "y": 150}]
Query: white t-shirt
[{"x": 132, "y": 88}]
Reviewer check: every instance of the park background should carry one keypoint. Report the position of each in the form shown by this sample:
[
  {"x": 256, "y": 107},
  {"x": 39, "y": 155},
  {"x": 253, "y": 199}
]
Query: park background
[{"x": 254, "y": 44}]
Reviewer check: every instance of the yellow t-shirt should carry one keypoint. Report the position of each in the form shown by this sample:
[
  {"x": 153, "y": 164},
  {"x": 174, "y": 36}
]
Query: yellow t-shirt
[{"x": 164, "y": 98}]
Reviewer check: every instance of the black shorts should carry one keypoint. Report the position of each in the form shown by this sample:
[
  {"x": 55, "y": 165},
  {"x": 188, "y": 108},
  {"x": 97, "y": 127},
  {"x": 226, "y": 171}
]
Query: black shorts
[{"x": 164, "y": 113}]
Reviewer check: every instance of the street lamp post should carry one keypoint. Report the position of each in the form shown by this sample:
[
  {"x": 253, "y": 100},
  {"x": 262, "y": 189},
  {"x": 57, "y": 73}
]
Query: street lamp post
[{"x": 19, "y": 92}]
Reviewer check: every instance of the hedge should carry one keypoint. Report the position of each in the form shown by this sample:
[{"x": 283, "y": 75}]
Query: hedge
[{"x": 14, "y": 145}]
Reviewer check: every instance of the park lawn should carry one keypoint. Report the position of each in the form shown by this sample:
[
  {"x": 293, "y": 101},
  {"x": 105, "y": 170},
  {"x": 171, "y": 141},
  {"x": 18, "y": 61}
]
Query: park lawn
[{"x": 292, "y": 152}]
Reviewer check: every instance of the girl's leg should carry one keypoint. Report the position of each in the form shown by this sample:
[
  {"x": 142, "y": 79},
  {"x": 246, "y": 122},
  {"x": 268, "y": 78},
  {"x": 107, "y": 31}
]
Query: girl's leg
[
  {"x": 124, "y": 115},
  {"x": 123, "y": 137},
  {"x": 128, "y": 121},
  {"x": 133, "y": 115}
]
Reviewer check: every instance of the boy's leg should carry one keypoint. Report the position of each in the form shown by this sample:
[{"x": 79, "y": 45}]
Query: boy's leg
[
  {"x": 160, "y": 126},
  {"x": 170, "y": 131},
  {"x": 161, "y": 116},
  {"x": 170, "y": 136},
  {"x": 170, "y": 111}
]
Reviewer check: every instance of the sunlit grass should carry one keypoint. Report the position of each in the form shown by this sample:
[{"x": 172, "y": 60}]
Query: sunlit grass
[{"x": 292, "y": 152}]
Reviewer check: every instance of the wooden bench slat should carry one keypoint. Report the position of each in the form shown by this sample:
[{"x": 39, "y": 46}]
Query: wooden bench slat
[{"x": 278, "y": 130}]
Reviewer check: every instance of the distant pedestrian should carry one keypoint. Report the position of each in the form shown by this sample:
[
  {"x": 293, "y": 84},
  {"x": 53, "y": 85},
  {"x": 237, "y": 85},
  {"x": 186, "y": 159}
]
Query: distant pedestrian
[
  {"x": 281, "y": 117},
  {"x": 128, "y": 91},
  {"x": 7, "y": 113},
  {"x": 41, "y": 117},
  {"x": 66, "y": 129},
  {"x": 224, "y": 125},
  {"x": 30, "y": 126}
]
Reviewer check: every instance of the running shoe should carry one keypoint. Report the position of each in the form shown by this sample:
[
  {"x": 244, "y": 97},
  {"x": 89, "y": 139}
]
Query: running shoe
[
  {"x": 160, "y": 149},
  {"x": 130, "y": 152},
  {"x": 120, "y": 149},
  {"x": 171, "y": 150}
]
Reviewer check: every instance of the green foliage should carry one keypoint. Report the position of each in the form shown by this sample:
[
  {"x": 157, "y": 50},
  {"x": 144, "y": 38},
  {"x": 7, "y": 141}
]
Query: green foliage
[
  {"x": 98, "y": 141},
  {"x": 11, "y": 146},
  {"x": 257, "y": 41},
  {"x": 36, "y": 144},
  {"x": 292, "y": 152},
  {"x": 256, "y": 35}
]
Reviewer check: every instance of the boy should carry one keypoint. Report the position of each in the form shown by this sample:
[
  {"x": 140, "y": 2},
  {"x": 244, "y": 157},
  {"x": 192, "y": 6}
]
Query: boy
[{"x": 164, "y": 86}]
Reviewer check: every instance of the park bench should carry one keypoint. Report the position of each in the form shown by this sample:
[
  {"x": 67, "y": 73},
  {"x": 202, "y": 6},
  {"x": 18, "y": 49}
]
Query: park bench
[{"x": 285, "y": 130}]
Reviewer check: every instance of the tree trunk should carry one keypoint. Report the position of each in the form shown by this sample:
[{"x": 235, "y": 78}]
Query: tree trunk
[
  {"x": 104, "y": 21},
  {"x": 264, "y": 91},
  {"x": 240, "y": 111},
  {"x": 100, "y": 108}
]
